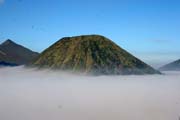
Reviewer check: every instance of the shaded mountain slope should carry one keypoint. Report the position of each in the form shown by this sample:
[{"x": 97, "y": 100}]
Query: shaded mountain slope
[
  {"x": 2, "y": 64},
  {"x": 10, "y": 52}
]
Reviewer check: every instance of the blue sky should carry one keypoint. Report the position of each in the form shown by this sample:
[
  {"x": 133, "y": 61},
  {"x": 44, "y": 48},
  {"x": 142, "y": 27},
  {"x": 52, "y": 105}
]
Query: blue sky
[{"x": 149, "y": 29}]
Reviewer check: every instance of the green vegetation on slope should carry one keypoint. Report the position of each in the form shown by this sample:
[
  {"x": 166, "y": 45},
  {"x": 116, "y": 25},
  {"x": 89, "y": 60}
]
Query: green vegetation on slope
[{"x": 91, "y": 54}]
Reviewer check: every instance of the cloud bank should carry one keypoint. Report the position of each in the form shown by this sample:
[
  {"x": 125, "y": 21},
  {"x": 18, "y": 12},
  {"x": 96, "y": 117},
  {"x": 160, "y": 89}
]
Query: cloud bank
[{"x": 28, "y": 94}]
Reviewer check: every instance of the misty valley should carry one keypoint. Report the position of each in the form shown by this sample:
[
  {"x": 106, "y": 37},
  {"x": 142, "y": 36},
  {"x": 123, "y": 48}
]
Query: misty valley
[{"x": 31, "y": 94}]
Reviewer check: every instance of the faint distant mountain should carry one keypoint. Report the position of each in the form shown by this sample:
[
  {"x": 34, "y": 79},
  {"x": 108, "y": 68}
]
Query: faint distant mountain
[
  {"x": 14, "y": 54},
  {"x": 171, "y": 66},
  {"x": 91, "y": 54}
]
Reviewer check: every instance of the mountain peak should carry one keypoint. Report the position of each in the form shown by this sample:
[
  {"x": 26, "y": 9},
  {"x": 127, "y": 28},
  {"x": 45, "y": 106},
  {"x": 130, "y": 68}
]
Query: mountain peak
[
  {"x": 94, "y": 54},
  {"x": 7, "y": 42},
  {"x": 11, "y": 52}
]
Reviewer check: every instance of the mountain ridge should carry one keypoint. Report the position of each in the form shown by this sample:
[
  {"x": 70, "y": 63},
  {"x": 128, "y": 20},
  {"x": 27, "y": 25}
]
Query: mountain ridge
[
  {"x": 171, "y": 66},
  {"x": 11, "y": 52}
]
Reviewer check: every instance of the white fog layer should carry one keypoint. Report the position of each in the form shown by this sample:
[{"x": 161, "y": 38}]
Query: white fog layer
[{"x": 28, "y": 94}]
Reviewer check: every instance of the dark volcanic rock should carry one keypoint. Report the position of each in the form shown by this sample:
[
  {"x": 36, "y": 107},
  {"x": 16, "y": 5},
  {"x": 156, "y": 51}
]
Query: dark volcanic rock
[
  {"x": 91, "y": 54},
  {"x": 10, "y": 52},
  {"x": 5, "y": 64}
]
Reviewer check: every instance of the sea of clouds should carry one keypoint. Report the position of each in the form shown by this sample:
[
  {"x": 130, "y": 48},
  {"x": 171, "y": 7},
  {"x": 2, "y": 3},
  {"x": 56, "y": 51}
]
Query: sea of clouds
[{"x": 30, "y": 94}]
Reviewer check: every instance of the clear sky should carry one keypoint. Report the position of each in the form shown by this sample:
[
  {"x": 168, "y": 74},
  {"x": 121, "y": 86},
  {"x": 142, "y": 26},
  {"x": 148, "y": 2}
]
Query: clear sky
[{"x": 149, "y": 29}]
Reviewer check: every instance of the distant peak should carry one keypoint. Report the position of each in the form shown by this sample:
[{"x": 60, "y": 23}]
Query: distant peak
[{"x": 8, "y": 41}]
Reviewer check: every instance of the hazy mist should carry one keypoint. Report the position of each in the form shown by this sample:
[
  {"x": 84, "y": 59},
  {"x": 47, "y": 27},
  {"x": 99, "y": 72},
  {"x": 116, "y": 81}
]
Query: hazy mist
[{"x": 30, "y": 94}]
